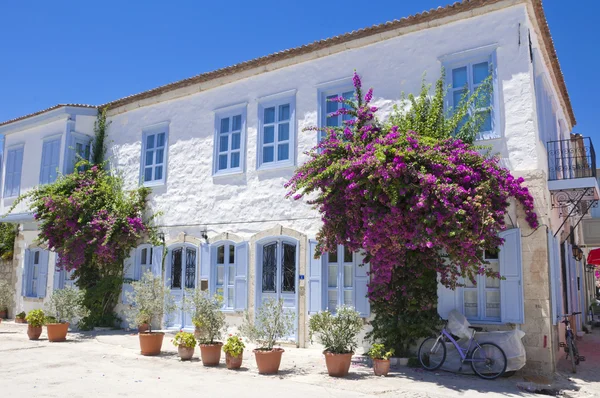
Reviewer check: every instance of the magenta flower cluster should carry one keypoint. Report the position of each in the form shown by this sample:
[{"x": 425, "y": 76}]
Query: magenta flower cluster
[{"x": 410, "y": 203}]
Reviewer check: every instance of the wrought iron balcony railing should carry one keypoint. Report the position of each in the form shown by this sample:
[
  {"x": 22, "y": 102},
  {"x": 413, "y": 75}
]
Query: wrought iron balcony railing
[{"x": 573, "y": 158}]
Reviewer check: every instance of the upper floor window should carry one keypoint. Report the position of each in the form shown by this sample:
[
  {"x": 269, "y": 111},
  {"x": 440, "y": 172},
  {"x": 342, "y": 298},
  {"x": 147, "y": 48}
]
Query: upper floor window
[
  {"x": 465, "y": 77},
  {"x": 12, "y": 178},
  {"x": 276, "y": 133},
  {"x": 328, "y": 107},
  {"x": 154, "y": 155},
  {"x": 80, "y": 150},
  {"x": 50, "y": 160},
  {"x": 482, "y": 300},
  {"x": 230, "y": 141}
]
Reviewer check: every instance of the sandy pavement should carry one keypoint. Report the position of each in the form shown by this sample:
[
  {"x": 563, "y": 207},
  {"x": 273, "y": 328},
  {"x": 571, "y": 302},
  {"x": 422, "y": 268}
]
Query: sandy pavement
[{"x": 108, "y": 364}]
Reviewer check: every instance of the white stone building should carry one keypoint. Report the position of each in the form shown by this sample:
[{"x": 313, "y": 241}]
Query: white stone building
[{"x": 218, "y": 147}]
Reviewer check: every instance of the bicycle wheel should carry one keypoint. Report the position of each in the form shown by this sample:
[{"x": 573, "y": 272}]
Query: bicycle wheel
[
  {"x": 488, "y": 361},
  {"x": 432, "y": 353},
  {"x": 573, "y": 353}
]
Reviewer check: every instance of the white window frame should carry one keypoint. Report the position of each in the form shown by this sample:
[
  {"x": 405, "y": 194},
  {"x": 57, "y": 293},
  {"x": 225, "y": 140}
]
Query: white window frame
[
  {"x": 337, "y": 87},
  {"x": 481, "y": 290},
  {"x": 229, "y": 112},
  {"x": 45, "y": 142},
  {"x": 155, "y": 130},
  {"x": 340, "y": 289},
  {"x": 469, "y": 58},
  {"x": 17, "y": 147},
  {"x": 229, "y": 269},
  {"x": 288, "y": 97}
]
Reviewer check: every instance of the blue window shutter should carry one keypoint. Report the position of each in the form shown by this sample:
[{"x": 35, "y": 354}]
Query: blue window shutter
[
  {"x": 44, "y": 169},
  {"x": 493, "y": 60},
  {"x": 315, "y": 289},
  {"x": 554, "y": 281},
  {"x": 448, "y": 300},
  {"x": 25, "y": 277},
  {"x": 205, "y": 261},
  {"x": 42, "y": 274},
  {"x": 157, "y": 259},
  {"x": 14, "y": 164},
  {"x": 129, "y": 275},
  {"x": 17, "y": 174},
  {"x": 361, "y": 281},
  {"x": 55, "y": 160},
  {"x": 511, "y": 268},
  {"x": 241, "y": 276},
  {"x": 211, "y": 258}
]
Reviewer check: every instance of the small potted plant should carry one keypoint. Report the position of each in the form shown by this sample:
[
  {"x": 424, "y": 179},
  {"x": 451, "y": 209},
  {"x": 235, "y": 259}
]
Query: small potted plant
[
  {"x": 35, "y": 320},
  {"x": 65, "y": 305},
  {"x": 272, "y": 323},
  {"x": 338, "y": 334},
  {"x": 381, "y": 359},
  {"x": 186, "y": 344},
  {"x": 234, "y": 351},
  {"x": 209, "y": 322},
  {"x": 5, "y": 298},
  {"x": 151, "y": 301},
  {"x": 21, "y": 317}
]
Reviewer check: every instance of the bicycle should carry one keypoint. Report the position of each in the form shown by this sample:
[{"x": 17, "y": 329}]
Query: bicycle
[
  {"x": 488, "y": 360},
  {"x": 569, "y": 345}
]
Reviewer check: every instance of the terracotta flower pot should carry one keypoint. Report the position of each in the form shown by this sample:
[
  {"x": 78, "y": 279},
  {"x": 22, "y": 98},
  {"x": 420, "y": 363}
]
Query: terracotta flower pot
[
  {"x": 233, "y": 362},
  {"x": 338, "y": 365},
  {"x": 185, "y": 353},
  {"x": 143, "y": 328},
  {"x": 268, "y": 361},
  {"x": 3, "y": 314},
  {"x": 57, "y": 331},
  {"x": 151, "y": 343},
  {"x": 34, "y": 332},
  {"x": 211, "y": 354},
  {"x": 20, "y": 320},
  {"x": 381, "y": 367}
]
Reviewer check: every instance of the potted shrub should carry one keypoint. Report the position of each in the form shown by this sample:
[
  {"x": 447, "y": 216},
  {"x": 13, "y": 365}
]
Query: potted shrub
[
  {"x": 151, "y": 301},
  {"x": 145, "y": 322},
  {"x": 20, "y": 317},
  {"x": 186, "y": 344},
  {"x": 209, "y": 322},
  {"x": 5, "y": 298},
  {"x": 271, "y": 324},
  {"x": 65, "y": 305},
  {"x": 234, "y": 350},
  {"x": 338, "y": 334},
  {"x": 381, "y": 359},
  {"x": 35, "y": 320}
]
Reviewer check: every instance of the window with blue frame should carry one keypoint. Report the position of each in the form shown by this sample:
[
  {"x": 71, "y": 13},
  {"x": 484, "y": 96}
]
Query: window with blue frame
[
  {"x": 81, "y": 150},
  {"x": 465, "y": 78},
  {"x": 12, "y": 177},
  {"x": 154, "y": 156},
  {"x": 276, "y": 134},
  {"x": 50, "y": 160},
  {"x": 230, "y": 141},
  {"x": 340, "y": 278},
  {"x": 35, "y": 273},
  {"x": 330, "y": 107},
  {"x": 224, "y": 268}
]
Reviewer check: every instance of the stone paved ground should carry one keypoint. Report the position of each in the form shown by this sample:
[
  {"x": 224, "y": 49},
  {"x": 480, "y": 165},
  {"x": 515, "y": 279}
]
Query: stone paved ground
[{"x": 108, "y": 364}]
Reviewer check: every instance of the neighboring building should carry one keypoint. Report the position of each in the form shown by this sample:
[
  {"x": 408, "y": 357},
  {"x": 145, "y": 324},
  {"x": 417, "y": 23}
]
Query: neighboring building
[{"x": 218, "y": 147}]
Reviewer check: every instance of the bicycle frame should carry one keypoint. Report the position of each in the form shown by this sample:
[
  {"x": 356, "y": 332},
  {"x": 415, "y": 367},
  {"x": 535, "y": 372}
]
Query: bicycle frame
[{"x": 463, "y": 353}]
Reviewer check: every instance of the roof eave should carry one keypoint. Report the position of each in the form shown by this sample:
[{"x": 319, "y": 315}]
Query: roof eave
[{"x": 54, "y": 113}]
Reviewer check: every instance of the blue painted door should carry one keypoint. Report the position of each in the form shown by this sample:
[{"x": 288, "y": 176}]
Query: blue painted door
[{"x": 181, "y": 275}]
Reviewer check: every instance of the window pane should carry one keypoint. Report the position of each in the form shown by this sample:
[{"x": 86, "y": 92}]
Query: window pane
[
  {"x": 332, "y": 121},
  {"x": 222, "y": 162},
  {"x": 230, "y": 297},
  {"x": 231, "y": 254},
  {"x": 235, "y": 140},
  {"x": 493, "y": 282},
  {"x": 348, "y": 276},
  {"x": 148, "y": 174},
  {"x": 150, "y": 257},
  {"x": 236, "y": 123},
  {"x": 220, "y": 292},
  {"x": 470, "y": 298},
  {"x": 332, "y": 256},
  {"x": 190, "y": 268},
  {"x": 235, "y": 159},
  {"x": 332, "y": 276},
  {"x": 223, "y": 143},
  {"x": 144, "y": 256},
  {"x": 332, "y": 300},
  {"x": 221, "y": 255},
  {"x": 268, "y": 153},
  {"x": 480, "y": 72},
  {"x": 457, "y": 98},
  {"x": 284, "y": 112},
  {"x": 269, "y": 115},
  {"x": 288, "y": 272},
  {"x": 149, "y": 158},
  {"x": 231, "y": 276},
  {"x": 347, "y": 95},
  {"x": 468, "y": 283},
  {"x": 331, "y": 106},
  {"x": 347, "y": 255},
  {"x": 283, "y": 132},
  {"x": 36, "y": 258},
  {"x": 283, "y": 152},
  {"x": 269, "y": 135},
  {"x": 487, "y": 122},
  {"x": 160, "y": 140},
  {"x": 158, "y": 173},
  {"x": 269, "y": 267},
  {"x": 459, "y": 77},
  {"x": 220, "y": 275},
  {"x": 483, "y": 100},
  {"x": 150, "y": 141},
  {"x": 224, "y": 125},
  {"x": 348, "y": 297},
  {"x": 159, "y": 156},
  {"x": 176, "y": 268},
  {"x": 492, "y": 304}
]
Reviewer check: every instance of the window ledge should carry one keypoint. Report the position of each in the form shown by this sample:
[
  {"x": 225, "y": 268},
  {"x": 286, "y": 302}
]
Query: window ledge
[
  {"x": 33, "y": 299},
  {"x": 153, "y": 184},
  {"x": 227, "y": 173},
  {"x": 276, "y": 166}
]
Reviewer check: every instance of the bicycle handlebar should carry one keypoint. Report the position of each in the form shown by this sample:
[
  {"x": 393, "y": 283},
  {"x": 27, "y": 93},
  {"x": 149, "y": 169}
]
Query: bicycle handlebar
[{"x": 566, "y": 315}]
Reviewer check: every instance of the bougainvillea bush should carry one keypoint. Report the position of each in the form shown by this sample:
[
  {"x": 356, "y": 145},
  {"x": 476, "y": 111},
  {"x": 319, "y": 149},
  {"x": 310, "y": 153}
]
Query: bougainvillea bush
[
  {"x": 415, "y": 204},
  {"x": 92, "y": 224}
]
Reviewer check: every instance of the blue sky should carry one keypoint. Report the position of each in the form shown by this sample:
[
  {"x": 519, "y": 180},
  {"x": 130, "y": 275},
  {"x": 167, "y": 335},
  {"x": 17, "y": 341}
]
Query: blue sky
[{"x": 83, "y": 52}]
